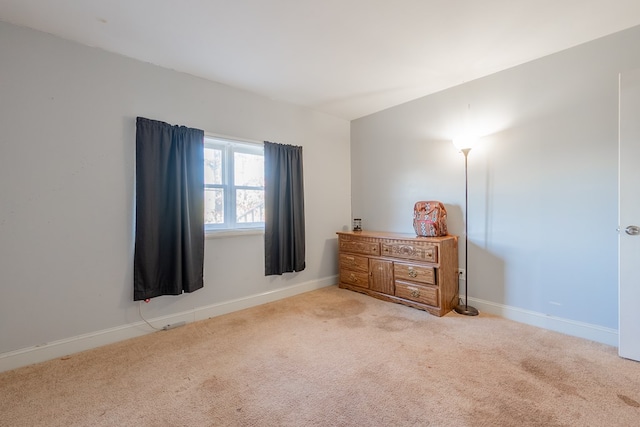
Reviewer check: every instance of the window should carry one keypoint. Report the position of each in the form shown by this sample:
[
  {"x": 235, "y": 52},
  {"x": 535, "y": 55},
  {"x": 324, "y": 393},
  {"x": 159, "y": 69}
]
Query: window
[{"x": 233, "y": 184}]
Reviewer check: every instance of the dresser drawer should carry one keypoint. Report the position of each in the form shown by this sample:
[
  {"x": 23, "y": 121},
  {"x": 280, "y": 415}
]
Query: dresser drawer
[
  {"x": 409, "y": 250},
  {"x": 355, "y": 278},
  {"x": 424, "y": 294},
  {"x": 354, "y": 262},
  {"x": 415, "y": 273},
  {"x": 359, "y": 246}
]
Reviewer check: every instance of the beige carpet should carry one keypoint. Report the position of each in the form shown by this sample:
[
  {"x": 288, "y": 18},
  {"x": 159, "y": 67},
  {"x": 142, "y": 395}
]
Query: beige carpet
[{"x": 332, "y": 358}]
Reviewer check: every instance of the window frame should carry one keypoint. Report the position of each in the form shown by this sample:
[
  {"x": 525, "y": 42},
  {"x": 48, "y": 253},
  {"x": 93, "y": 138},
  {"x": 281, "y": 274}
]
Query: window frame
[{"x": 229, "y": 146}]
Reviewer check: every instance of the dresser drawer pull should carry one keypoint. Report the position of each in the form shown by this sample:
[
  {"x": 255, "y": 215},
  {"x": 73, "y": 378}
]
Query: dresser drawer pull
[
  {"x": 353, "y": 278},
  {"x": 412, "y": 272},
  {"x": 414, "y": 292}
]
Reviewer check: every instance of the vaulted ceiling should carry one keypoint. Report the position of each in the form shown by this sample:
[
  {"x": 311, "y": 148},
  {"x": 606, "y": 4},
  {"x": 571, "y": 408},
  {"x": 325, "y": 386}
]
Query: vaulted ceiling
[{"x": 348, "y": 58}]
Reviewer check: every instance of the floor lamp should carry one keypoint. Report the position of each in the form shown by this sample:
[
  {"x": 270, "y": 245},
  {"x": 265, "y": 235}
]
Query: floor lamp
[{"x": 465, "y": 145}]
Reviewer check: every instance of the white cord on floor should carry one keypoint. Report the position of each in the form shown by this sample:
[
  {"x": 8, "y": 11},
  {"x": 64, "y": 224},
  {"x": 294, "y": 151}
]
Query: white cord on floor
[{"x": 145, "y": 320}]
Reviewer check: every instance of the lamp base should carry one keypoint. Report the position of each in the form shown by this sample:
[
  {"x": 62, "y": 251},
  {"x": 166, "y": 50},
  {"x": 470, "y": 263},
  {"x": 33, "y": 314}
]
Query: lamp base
[{"x": 467, "y": 310}]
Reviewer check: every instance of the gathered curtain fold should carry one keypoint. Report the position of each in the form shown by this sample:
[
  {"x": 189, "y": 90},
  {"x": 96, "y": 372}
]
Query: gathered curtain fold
[
  {"x": 284, "y": 230},
  {"x": 169, "y": 228}
]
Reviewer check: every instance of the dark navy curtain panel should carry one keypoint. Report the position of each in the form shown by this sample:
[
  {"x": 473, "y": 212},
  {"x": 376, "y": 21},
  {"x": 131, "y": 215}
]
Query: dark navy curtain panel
[
  {"x": 169, "y": 245},
  {"x": 284, "y": 228}
]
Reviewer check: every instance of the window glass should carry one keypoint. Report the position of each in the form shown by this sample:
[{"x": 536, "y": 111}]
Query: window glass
[
  {"x": 212, "y": 165},
  {"x": 250, "y": 206},
  {"x": 248, "y": 169},
  {"x": 214, "y": 206}
]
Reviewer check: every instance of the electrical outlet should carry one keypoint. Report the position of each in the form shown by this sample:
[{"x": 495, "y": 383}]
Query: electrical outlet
[{"x": 462, "y": 274}]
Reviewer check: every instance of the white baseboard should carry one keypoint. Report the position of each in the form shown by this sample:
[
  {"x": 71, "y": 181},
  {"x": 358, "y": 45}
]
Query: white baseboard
[
  {"x": 36, "y": 354},
  {"x": 570, "y": 327}
]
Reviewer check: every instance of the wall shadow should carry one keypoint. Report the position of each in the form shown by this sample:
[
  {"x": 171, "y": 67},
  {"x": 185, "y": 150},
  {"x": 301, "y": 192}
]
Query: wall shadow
[{"x": 486, "y": 278}]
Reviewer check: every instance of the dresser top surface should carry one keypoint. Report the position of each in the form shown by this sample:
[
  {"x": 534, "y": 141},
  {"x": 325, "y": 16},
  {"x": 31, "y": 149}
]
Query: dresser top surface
[{"x": 392, "y": 235}]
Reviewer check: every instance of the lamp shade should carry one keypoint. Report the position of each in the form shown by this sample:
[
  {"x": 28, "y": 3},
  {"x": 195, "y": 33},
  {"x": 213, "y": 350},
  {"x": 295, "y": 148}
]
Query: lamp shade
[{"x": 465, "y": 142}]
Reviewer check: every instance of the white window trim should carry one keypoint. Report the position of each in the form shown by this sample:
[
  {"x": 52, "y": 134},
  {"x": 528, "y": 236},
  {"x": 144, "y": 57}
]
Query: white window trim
[{"x": 220, "y": 233}]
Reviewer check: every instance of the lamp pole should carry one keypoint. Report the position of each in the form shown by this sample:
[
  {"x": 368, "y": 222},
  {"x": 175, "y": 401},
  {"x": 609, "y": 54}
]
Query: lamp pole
[{"x": 466, "y": 309}]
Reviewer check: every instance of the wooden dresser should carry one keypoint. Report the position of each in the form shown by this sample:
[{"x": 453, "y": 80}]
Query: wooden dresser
[{"x": 420, "y": 272}]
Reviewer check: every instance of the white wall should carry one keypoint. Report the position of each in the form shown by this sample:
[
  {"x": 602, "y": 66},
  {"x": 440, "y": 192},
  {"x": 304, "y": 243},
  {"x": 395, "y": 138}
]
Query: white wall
[
  {"x": 543, "y": 184},
  {"x": 67, "y": 120}
]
